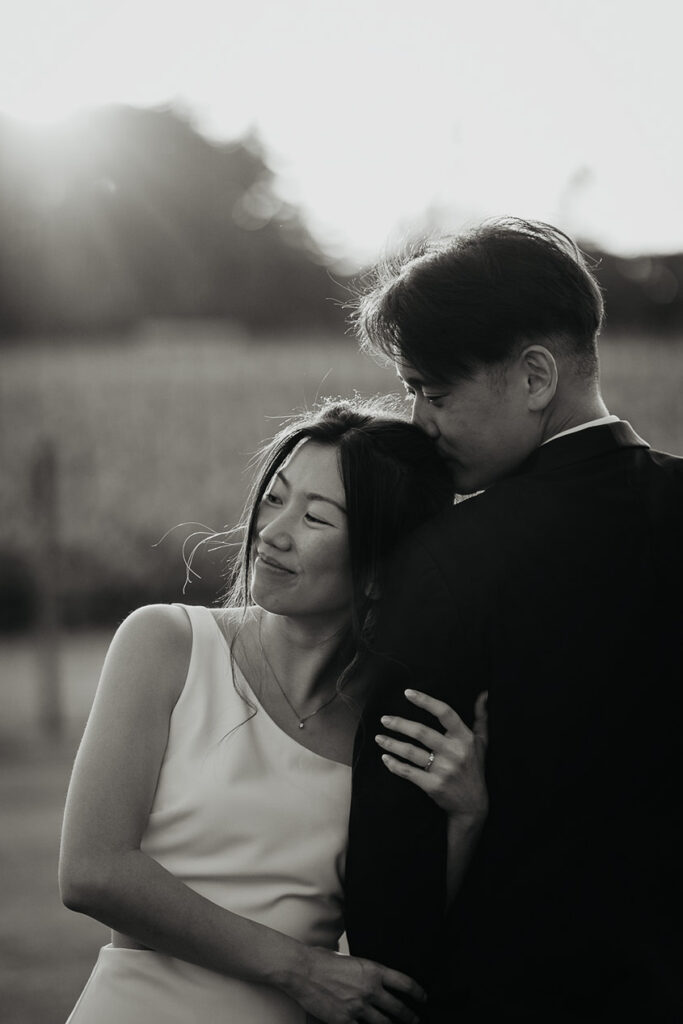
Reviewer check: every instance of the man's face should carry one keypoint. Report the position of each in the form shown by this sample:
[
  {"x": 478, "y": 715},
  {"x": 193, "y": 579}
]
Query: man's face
[{"x": 482, "y": 426}]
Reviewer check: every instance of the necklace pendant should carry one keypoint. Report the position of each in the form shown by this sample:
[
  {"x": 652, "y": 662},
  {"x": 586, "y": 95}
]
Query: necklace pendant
[{"x": 301, "y": 725}]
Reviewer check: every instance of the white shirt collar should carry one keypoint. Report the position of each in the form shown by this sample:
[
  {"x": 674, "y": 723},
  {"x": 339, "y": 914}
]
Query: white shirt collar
[{"x": 583, "y": 426}]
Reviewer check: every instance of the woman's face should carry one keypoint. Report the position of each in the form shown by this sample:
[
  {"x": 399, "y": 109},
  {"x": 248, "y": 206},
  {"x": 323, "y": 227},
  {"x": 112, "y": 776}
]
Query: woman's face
[{"x": 301, "y": 554}]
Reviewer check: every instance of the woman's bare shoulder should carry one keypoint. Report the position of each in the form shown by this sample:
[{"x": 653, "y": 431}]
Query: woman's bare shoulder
[
  {"x": 154, "y": 640},
  {"x": 167, "y": 623}
]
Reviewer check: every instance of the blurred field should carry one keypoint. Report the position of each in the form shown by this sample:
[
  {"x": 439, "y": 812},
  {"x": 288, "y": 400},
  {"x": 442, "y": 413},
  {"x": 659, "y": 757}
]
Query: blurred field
[
  {"x": 157, "y": 430},
  {"x": 46, "y": 952},
  {"x": 150, "y": 433}
]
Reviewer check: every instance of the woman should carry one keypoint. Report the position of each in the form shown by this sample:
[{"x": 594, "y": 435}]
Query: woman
[{"x": 206, "y": 817}]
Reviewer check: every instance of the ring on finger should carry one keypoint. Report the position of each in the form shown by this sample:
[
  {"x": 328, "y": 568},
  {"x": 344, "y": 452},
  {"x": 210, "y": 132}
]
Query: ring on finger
[{"x": 430, "y": 761}]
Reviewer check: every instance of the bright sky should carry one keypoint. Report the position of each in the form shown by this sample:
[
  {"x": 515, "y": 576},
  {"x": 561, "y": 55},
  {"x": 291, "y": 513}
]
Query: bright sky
[{"x": 383, "y": 115}]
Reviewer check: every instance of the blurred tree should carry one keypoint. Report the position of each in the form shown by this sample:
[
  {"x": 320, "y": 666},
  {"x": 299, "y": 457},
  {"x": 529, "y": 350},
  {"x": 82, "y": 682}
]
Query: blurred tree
[
  {"x": 643, "y": 294},
  {"x": 126, "y": 213}
]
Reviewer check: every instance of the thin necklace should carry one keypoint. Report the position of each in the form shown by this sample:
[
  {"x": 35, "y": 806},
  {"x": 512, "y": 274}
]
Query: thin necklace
[{"x": 302, "y": 719}]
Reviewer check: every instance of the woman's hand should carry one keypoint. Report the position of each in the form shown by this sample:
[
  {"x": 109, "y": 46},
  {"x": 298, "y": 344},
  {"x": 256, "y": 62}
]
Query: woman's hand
[
  {"x": 448, "y": 766},
  {"x": 338, "y": 989}
]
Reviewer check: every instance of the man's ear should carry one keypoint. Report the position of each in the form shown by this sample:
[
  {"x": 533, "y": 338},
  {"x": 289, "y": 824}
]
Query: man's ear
[{"x": 540, "y": 375}]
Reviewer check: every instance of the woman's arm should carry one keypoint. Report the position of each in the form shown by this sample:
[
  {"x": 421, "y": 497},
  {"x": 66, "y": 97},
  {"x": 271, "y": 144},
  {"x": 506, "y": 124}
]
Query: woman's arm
[
  {"x": 104, "y": 874},
  {"x": 449, "y": 767}
]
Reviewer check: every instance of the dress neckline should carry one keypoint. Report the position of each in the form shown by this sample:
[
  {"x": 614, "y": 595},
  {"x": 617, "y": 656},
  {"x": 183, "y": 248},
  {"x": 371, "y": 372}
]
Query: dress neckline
[{"x": 259, "y": 705}]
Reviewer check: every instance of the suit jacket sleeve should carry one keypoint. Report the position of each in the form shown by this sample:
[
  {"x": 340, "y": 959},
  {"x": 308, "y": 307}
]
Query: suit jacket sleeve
[{"x": 396, "y": 862}]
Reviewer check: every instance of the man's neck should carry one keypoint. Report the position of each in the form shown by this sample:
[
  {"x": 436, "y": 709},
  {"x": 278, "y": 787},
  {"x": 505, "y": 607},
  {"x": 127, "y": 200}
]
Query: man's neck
[
  {"x": 600, "y": 421},
  {"x": 572, "y": 416}
]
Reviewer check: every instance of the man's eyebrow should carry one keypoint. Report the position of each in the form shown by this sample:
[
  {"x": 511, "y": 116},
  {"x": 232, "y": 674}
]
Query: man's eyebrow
[
  {"x": 312, "y": 495},
  {"x": 413, "y": 382},
  {"x": 417, "y": 382}
]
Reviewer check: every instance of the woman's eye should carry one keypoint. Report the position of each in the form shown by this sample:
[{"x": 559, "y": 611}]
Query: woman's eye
[
  {"x": 314, "y": 519},
  {"x": 433, "y": 399},
  {"x": 272, "y": 499}
]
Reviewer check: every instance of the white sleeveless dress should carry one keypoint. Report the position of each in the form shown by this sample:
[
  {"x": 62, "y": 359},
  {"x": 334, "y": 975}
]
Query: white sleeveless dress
[{"x": 253, "y": 821}]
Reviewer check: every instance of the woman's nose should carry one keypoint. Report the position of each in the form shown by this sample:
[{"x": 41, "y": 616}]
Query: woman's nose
[{"x": 276, "y": 532}]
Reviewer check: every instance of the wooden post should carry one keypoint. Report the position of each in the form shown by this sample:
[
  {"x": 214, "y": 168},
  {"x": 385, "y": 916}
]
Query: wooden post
[{"x": 44, "y": 499}]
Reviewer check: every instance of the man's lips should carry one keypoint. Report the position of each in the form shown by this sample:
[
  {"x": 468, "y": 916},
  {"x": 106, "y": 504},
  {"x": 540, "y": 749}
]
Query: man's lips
[{"x": 272, "y": 563}]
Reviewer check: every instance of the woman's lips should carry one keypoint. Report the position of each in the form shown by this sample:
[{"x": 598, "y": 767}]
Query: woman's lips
[{"x": 272, "y": 563}]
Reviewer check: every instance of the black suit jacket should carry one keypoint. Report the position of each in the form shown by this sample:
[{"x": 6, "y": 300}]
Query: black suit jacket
[{"x": 558, "y": 590}]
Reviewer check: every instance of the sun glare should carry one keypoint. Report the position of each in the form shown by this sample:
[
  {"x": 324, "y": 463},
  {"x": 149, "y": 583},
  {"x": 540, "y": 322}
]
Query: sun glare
[
  {"x": 48, "y": 115},
  {"x": 361, "y": 141}
]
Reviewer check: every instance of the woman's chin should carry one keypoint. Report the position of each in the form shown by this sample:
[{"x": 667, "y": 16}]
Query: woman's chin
[
  {"x": 259, "y": 597},
  {"x": 269, "y": 600}
]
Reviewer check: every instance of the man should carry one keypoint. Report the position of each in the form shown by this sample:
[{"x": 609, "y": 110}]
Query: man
[{"x": 559, "y": 591}]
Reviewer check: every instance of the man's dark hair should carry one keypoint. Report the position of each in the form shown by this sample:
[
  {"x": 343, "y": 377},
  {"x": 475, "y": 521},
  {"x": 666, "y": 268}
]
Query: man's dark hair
[{"x": 453, "y": 305}]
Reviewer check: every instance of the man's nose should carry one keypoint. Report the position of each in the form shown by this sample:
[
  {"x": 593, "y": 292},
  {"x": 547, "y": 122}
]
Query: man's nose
[{"x": 421, "y": 418}]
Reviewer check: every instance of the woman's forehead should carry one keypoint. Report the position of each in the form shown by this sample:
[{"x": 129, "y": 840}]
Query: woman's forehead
[{"x": 315, "y": 467}]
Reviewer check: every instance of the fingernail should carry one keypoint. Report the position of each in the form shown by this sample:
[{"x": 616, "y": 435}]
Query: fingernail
[
  {"x": 385, "y": 719},
  {"x": 412, "y": 693},
  {"x": 379, "y": 739},
  {"x": 385, "y": 758}
]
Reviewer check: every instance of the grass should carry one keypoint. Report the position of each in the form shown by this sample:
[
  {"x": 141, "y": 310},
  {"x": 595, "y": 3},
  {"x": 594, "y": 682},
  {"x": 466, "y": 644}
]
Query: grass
[{"x": 46, "y": 952}]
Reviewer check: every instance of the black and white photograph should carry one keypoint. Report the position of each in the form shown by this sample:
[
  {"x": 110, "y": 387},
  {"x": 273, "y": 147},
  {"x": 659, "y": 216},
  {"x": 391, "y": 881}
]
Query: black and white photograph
[{"x": 341, "y": 512}]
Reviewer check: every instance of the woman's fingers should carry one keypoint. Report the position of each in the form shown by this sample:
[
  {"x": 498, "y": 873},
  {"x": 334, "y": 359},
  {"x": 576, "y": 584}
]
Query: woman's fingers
[
  {"x": 421, "y": 778},
  {"x": 393, "y": 1007},
  {"x": 417, "y": 755},
  {"x": 450, "y": 719},
  {"x": 429, "y": 738},
  {"x": 352, "y": 989},
  {"x": 403, "y": 1014},
  {"x": 372, "y": 1016},
  {"x": 480, "y": 727},
  {"x": 402, "y": 983},
  {"x": 455, "y": 777},
  {"x": 394, "y": 1004}
]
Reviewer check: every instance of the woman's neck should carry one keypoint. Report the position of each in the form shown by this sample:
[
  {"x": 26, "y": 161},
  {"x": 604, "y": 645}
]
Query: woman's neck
[{"x": 302, "y": 653}]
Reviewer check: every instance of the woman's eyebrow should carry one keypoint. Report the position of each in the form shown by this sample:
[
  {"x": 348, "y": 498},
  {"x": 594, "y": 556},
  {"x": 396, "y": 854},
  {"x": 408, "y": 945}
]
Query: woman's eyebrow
[{"x": 312, "y": 496}]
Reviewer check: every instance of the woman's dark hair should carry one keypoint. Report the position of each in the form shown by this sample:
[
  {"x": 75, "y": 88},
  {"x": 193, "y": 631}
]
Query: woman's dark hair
[
  {"x": 453, "y": 305},
  {"x": 393, "y": 480}
]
